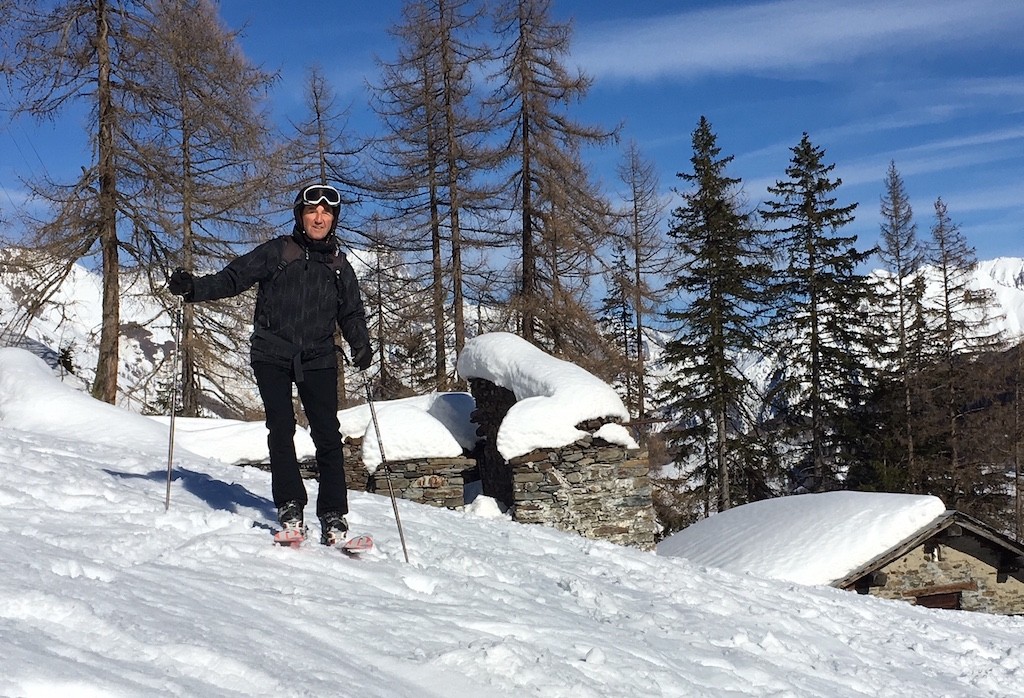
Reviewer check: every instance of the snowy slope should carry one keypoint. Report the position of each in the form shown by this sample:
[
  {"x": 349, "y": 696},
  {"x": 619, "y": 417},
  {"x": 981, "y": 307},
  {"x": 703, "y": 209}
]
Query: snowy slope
[{"x": 103, "y": 593}]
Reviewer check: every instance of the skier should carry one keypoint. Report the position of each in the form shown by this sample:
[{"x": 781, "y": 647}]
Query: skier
[{"x": 306, "y": 287}]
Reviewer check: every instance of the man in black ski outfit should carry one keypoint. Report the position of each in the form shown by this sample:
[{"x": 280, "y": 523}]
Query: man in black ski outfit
[{"x": 306, "y": 287}]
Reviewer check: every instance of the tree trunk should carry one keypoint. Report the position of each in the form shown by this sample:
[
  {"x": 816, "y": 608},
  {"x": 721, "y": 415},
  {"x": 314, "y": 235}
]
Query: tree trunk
[
  {"x": 529, "y": 254},
  {"x": 105, "y": 386}
]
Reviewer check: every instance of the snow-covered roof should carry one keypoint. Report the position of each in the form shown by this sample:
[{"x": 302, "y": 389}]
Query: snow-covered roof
[
  {"x": 808, "y": 538},
  {"x": 436, "y": 425},
  {"x": 552, "y": 396}
]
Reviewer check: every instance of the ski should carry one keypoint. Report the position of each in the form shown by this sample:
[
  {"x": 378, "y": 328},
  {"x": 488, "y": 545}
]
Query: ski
[
  {"x": 294, "y": 538},
  {"x": 356, "y": 545},
  {"x": 291, "y": 537}
]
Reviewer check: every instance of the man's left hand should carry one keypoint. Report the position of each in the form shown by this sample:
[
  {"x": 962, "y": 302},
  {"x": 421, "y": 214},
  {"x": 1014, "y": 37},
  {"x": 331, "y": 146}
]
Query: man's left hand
[{"x": 362, "y": 356}]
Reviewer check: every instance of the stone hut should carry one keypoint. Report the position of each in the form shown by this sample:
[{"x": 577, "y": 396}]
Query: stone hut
[
  {"x": 597, "y": 485},
  {"x": 894, "y": 546},
  {"x": 955, "y": 562},
  {"x": 593, "y": 487}
]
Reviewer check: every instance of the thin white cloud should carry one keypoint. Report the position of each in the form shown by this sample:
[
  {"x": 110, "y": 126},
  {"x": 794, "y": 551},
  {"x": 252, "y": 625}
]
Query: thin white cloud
[
  {"x": 944, "y": 155},
  {"x": 1003, "y": 197},
  {"x": 784, "y": 35}
]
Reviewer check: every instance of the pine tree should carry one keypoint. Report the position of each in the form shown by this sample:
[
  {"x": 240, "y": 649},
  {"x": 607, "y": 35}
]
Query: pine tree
[
  {"x": 617, "y": 319},
  {"x": 962, "y": 316},
  {"x": 721, "y": 278},
  {"x": 820, "y": 316},
  {"x": 903, "y": 333}
]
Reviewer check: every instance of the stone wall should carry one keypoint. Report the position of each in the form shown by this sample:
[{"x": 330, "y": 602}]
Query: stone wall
[
  {"x": 436, "y": 481},
  {"x": 596, "y": 489},
  {"x": 961, "y": 564},
  {"x": 356, "y": 476}
]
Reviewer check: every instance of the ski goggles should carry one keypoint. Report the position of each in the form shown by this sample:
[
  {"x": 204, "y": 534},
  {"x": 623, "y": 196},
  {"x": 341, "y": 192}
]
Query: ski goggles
[{"x": 320, "y": 193}]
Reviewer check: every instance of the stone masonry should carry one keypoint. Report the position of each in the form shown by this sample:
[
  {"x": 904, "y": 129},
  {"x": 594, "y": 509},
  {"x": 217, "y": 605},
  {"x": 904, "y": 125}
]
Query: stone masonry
[
  {"x": 964, "y": 565},
  {"x": 596, "y": 489},
  {"x": 599, "y": 490},
  {"x": 436, "y": 481}
]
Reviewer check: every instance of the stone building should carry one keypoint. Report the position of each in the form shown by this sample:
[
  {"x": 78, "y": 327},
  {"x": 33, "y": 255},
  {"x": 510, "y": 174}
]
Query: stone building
[
  {"x": 894, "y": 546},
  {"x": 596, "y": 485},
  {"x": 955, "y": 562},
  {"x": 593, "y": 487}
]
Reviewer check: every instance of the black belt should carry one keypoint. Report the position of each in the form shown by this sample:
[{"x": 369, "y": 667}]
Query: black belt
[{"x": 294, "y": 350}]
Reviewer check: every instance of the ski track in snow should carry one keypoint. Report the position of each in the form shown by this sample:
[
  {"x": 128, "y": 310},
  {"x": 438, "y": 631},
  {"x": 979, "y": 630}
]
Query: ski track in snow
[{"x": 105, "y": 593}]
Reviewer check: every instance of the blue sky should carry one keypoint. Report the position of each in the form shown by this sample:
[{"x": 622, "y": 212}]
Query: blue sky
[{"x": 935, "y": 85}]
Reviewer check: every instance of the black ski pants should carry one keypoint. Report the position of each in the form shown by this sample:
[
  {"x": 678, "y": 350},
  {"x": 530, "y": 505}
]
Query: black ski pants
[{"x": 318, "y": 392}]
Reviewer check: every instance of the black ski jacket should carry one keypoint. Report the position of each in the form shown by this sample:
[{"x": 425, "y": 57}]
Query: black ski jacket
[{"x": 298, "y": 302}]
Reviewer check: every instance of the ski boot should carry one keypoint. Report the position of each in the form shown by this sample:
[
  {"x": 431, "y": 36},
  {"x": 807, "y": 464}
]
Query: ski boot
[
  {"x": 333, "y": 528},
  {"x": 293, "y": 528}
]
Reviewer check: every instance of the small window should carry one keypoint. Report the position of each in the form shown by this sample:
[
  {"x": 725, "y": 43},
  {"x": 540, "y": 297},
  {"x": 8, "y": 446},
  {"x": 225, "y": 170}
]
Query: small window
[{"x": 949, "y": 601}]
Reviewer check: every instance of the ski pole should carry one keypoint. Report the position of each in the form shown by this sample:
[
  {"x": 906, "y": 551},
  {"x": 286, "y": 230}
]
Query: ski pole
[
  {"x": 387, "y": 471},
  {"x": 174, "y": 404}
]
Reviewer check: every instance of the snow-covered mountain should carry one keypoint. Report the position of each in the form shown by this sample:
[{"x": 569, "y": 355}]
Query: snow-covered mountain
[{"x": 104, "y": 593}]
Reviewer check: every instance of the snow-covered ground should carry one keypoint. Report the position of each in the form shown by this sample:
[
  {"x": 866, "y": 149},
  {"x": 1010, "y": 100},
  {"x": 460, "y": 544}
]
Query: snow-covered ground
[{"x": 104, "y": 593}]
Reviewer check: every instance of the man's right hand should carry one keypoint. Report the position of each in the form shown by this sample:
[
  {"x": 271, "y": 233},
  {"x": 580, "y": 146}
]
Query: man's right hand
[{"x": 180, "y": 283}]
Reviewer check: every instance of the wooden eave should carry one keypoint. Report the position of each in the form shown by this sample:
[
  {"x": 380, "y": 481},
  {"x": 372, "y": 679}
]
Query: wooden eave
[{"x": 945, "y": 521}]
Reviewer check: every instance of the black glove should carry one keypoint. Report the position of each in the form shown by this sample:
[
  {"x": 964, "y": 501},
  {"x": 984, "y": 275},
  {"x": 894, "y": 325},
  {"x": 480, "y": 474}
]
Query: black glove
[
  {"x": 180, "y": 283},
  {"x": 362, "y": 356}
]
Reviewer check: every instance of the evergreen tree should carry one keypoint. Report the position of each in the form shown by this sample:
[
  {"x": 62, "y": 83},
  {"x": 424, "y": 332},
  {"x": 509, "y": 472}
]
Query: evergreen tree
[
  {"x": 902, "y": 339},
  {"x": 962, "y": 316},
  {"x": 617, "y": 323},
  {"x": 721, "y": 278},
  {"x": 820, "y": 315}
]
